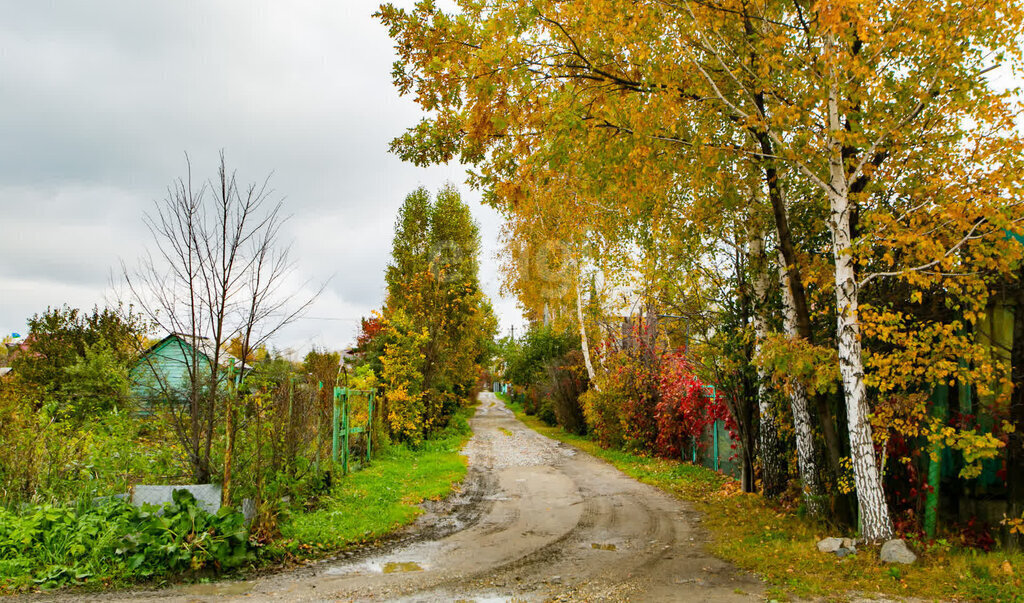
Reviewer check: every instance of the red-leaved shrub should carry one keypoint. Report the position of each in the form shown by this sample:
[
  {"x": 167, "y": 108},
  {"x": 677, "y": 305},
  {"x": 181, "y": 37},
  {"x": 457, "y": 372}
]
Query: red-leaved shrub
[{"x": 686, "y": 407}]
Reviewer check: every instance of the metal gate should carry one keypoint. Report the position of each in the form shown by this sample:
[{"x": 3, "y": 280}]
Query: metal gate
[{"x": 353, "y": 415}]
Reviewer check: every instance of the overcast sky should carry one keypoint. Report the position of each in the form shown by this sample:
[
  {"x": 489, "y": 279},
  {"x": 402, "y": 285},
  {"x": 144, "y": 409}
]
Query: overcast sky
[{"x": 99, "y": 101}]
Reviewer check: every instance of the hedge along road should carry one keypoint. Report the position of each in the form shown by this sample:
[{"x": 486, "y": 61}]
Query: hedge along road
[{"x": 536, "y": 520}]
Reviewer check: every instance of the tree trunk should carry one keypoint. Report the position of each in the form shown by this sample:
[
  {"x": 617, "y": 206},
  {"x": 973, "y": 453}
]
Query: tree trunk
[
  {"x": 798, "y": 403},
  {"x": 874, "y": 513},
  {"x": 773, "y": 468},
  {"x": 584, "y": 343},
  {"x": 802, "y": 316},
  {"x": 229, "y": 449}
]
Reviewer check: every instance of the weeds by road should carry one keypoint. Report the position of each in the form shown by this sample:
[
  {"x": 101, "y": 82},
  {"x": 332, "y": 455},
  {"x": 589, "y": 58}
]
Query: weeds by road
[
  {"x": 779, "y": 545},
  {"x": 382, "y": 497}
]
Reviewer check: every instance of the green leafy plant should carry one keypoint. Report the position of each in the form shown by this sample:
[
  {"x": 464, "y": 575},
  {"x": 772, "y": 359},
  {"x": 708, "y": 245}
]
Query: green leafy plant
[
  {"x": 181, "y": 536},
  {"x": 51, "y": 546}
]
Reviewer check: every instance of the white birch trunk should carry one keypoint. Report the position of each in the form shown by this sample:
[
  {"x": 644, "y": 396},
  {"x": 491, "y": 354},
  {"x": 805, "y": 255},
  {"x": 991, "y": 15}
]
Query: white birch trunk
[
  {"x": 798, "y": 403},
  {"x": 584, "y": 343},
  {"x": 874, "y": 517},
  {"x": 773, "y": 476}
]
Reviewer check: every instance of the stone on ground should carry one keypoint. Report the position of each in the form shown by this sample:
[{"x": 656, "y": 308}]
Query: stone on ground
[
  {"x": 207, "y": 495},
  {"x": 896, "y": 551}
]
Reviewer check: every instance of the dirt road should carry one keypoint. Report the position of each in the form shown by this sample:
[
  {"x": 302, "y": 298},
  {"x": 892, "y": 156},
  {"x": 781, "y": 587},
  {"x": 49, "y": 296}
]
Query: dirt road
[{"x": 536, "y": 520}]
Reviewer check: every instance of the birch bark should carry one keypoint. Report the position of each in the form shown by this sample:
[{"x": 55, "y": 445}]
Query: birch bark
[
  {"x": 875, "y": 521},
  {"x": 798, "y": 402},
  {"x": 584, "y": 343},
  {"x": 773, "y": 474}
]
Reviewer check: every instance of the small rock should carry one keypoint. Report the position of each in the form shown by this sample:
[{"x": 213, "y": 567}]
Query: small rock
[
  {"x": 555, "y": 580},
  {"x": 830, "y": 545},
  {"x": 843, "y": 551},
  {"x": 896, "y": 551},
  {"x": 849, "y": 543}
]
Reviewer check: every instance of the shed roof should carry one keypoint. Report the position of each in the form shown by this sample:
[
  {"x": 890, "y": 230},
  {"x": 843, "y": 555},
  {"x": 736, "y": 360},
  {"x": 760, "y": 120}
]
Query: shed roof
[{"x": 202, "y": 344}]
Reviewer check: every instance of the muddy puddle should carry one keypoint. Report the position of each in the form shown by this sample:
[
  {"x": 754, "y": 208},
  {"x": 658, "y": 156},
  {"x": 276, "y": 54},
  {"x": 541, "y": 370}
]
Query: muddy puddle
[
  {"x": 219, "y": 589},
  {"x": 397, "y": 567}
]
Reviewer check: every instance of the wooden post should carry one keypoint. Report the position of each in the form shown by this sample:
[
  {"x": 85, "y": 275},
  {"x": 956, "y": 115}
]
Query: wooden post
[
  {"x": 319, "y": 423},
  {"x": 291, "y": 427},
  {"x": 229, "y": 436},
  {"x": 714, "y": 426},
  {"x": 344, "y": 431},
  {"x": 369, "y": 426},
  {"x": 334, "y": 424},
  {"x": 940, "y": 401}
]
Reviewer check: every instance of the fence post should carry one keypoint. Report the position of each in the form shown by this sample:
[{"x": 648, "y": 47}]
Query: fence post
[
  {"x": 344, "y": 431},
  {"x": 940, "y": 402},
  {"x": 319, "y": 424},
  {"x": 715, "y": 427},
  {"x": 369, "y": 426},
  {"x": 334, "y": 424},
  {"x": 291, "y": 423}
]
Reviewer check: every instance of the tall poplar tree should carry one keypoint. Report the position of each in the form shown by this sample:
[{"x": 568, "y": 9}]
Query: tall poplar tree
[{"x": 434, "y": 293}]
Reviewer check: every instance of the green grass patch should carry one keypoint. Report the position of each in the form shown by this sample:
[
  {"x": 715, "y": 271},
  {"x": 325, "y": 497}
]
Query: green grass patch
[
  {"x": 779, "y": 545},
  {"x": 382, "y": 497}
]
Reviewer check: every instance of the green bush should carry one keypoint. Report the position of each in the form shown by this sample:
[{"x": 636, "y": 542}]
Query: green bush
[
  {"x": 526, "y": 359},
  {"x": 566, "y": 381},
  {"x": 601, "y": 409},
  {"x": 546, "y": 410},
  {"x": 184, "y": 536},
  {"x": 48, "y": 456}
]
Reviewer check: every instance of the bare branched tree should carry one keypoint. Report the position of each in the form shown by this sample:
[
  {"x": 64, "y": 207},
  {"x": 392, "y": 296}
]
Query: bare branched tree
[{"x": 215, "y": 273}]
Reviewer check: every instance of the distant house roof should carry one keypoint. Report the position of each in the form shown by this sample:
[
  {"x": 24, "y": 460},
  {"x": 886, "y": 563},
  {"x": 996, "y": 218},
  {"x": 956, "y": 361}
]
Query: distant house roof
[
  {"x": 351, "y": 355},
  {"x": 201, "y": 344},
  {"x": 183, "y": 339}
]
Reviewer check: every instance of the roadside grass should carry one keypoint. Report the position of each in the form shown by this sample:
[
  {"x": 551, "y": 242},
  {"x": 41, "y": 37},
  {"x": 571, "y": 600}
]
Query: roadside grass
[
  {"x": 779, "y": 545},
  {"x": 381, "y": 498}
]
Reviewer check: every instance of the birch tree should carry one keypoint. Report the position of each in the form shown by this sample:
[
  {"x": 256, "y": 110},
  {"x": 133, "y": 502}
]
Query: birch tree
[{"x": 772, "y": 456}]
